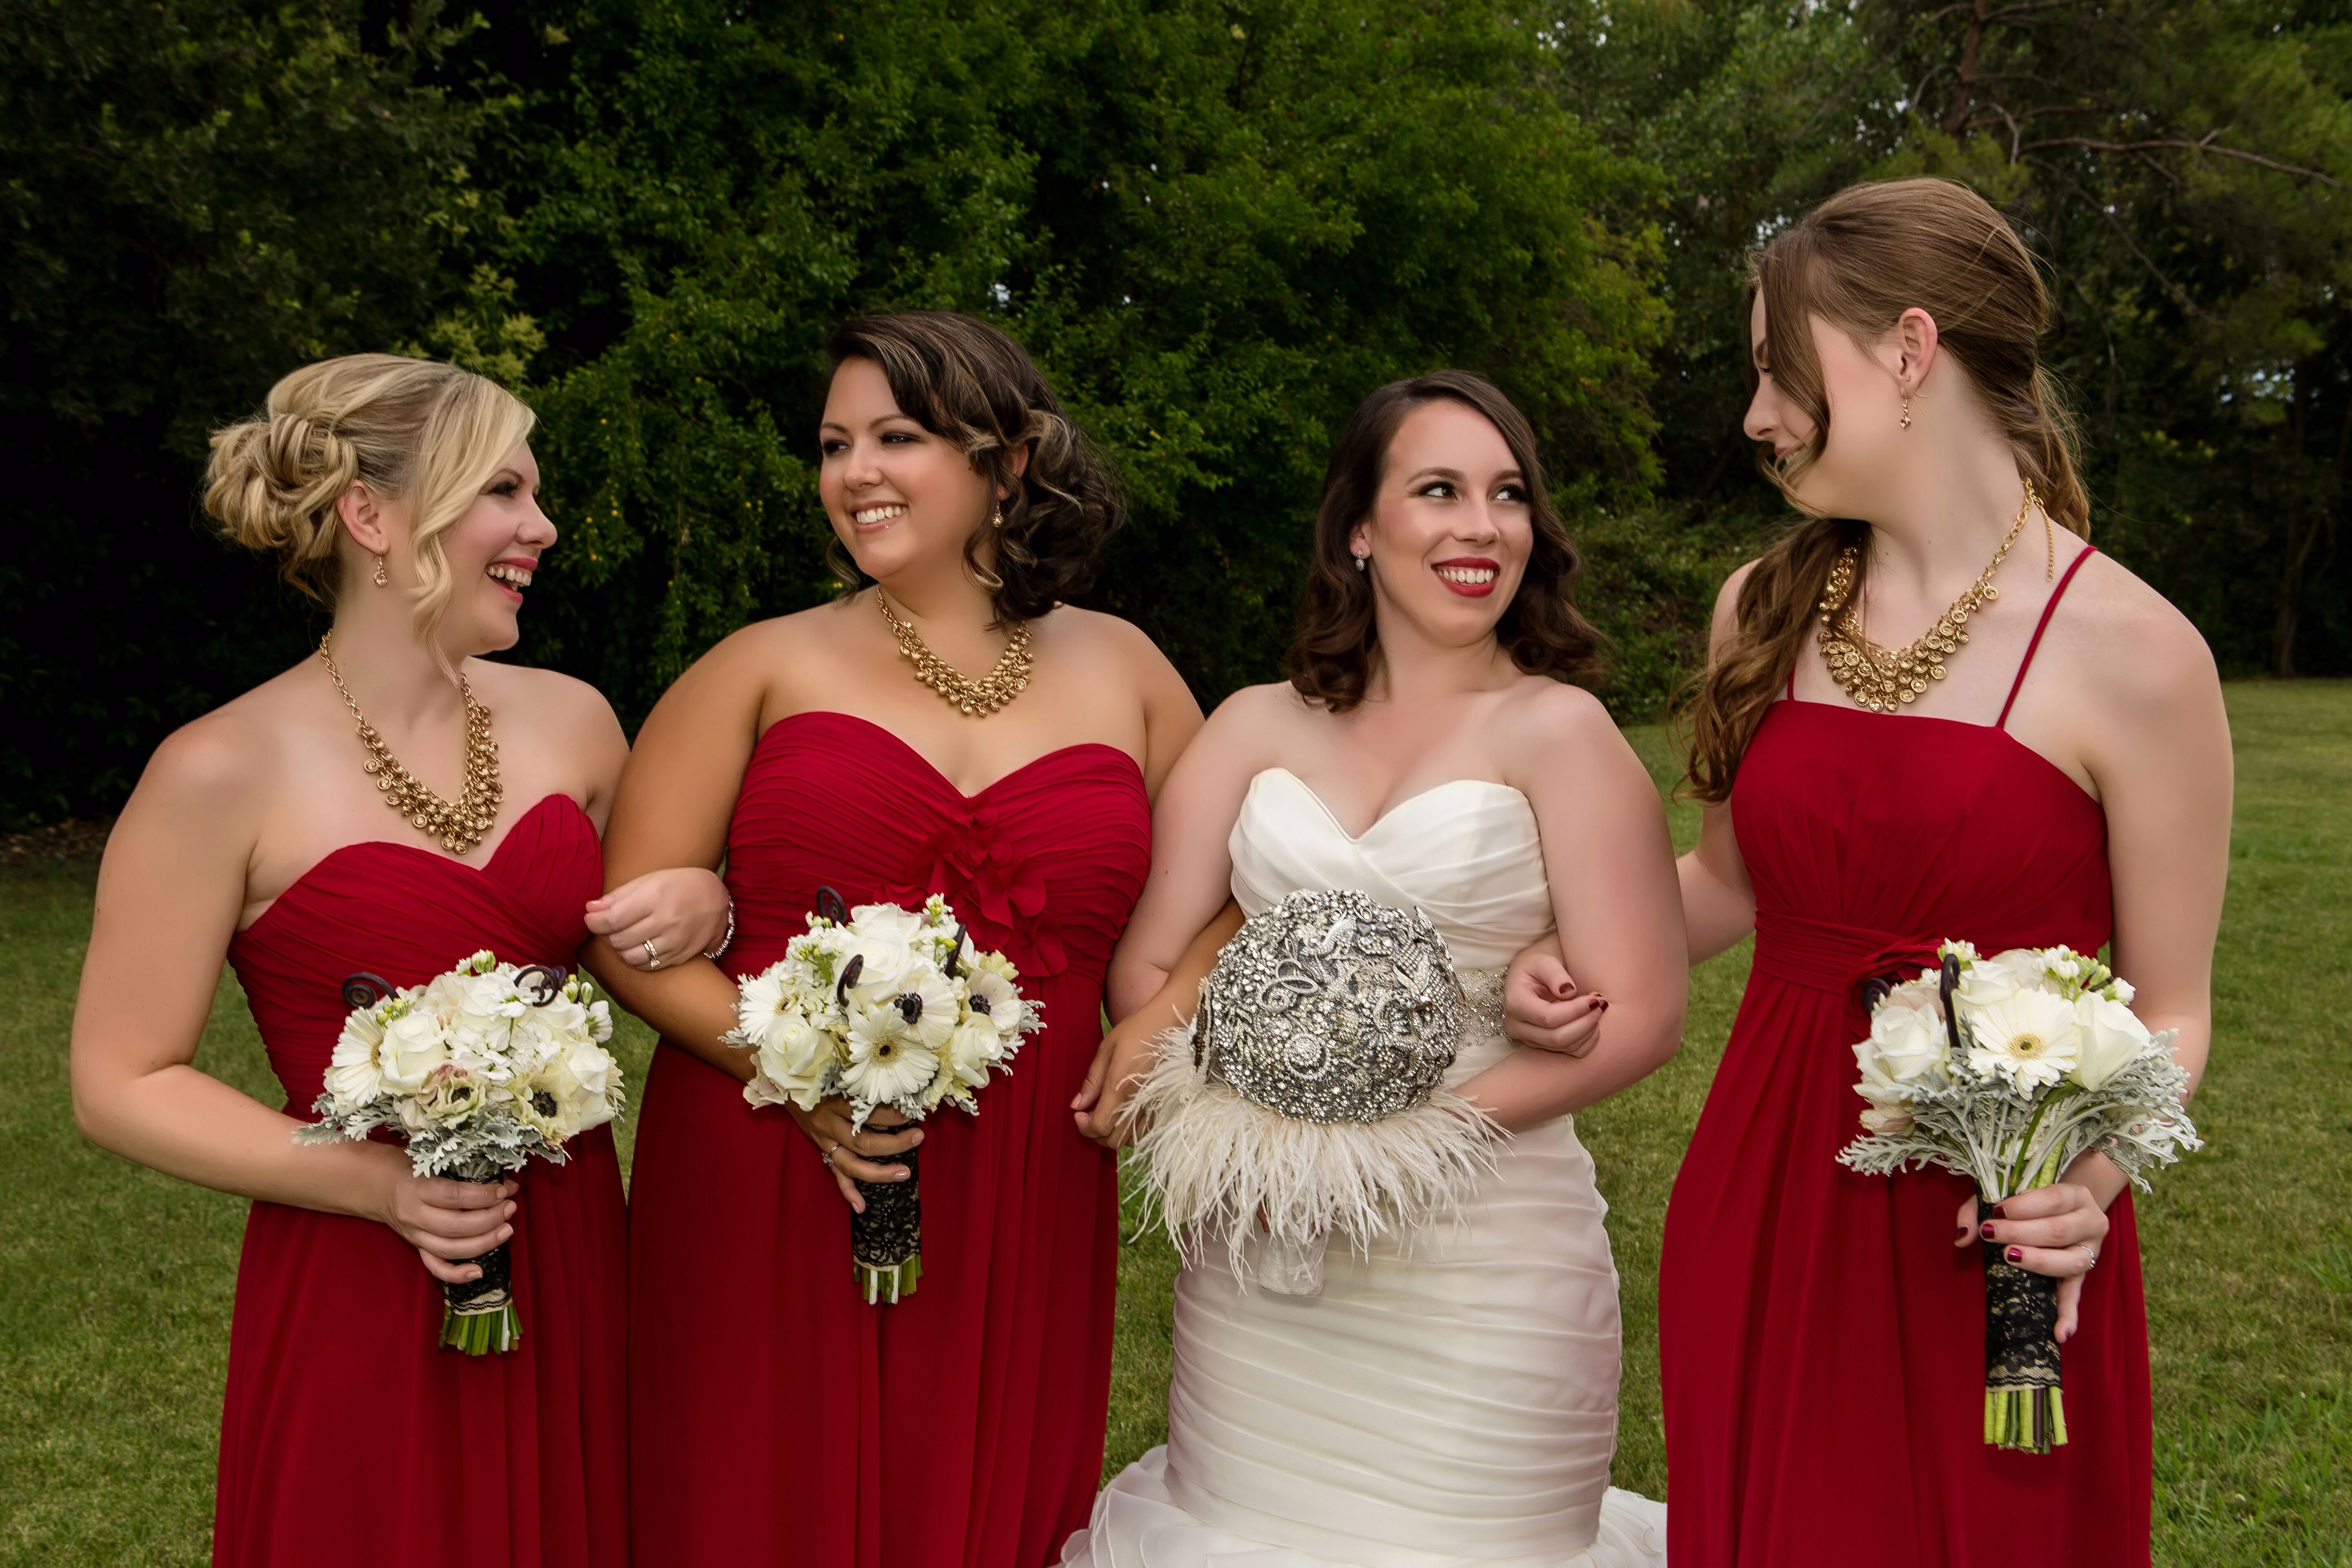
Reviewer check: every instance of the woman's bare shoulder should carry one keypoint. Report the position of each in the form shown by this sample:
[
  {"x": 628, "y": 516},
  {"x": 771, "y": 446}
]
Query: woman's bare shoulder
[
  {"x": 225, "y": 767},
  {"x": 2129, "y": 644}
]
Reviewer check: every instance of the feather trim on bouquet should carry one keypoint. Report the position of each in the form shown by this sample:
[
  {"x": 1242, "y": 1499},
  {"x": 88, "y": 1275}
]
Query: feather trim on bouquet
[{"x": 1304, "y": 1099}]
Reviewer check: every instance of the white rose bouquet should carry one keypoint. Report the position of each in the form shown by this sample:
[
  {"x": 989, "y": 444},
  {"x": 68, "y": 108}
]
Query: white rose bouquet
[
  {"x": 478, "y": 1069},
  {"x": 881, "y": 1005},
  {"x": 2005, "y": 1069}
]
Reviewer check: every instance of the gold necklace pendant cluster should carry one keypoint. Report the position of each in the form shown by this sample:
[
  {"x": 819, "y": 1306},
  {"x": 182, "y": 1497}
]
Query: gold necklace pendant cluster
[
  {"x": 1003, "y": 682},
  {"x": 460, "y": 823},
  {"x": 1884, "y": 679}
]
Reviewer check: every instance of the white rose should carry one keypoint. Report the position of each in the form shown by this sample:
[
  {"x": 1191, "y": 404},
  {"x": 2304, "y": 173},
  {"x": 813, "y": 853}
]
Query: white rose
[
  {"x": 885, "y": 923},
  {"x": 795, "y": 1057},
  {"x": 412, "y": 1047},
  {"x": 2001, "y": 977},
  {"x": 1906, "y": 1035},
  {"x": 2111, "y": 1037},
  {"x": 886, "y": 965},
  {"x": 972, "y": 1050}
]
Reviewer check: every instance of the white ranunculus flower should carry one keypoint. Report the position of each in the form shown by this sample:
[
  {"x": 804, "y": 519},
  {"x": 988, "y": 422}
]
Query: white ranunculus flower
[
  {"x": 412, "y": 1047},
  {"x": 885, "y": 1061},
  {"x": 1906, "y": 1033},
  {"x": 2001, "y": 977},
  {"x": 1888, "y": 1120},
  {"x": 2111, "y": 1037},
  {"x": 353, "y": 1076},
  {"x": 2030, "y": 1038}
]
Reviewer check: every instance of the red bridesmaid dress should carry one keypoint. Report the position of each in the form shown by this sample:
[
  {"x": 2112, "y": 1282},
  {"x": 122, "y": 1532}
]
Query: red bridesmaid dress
[
  {"x": 348, "y": 1436},
  {"x": 1821, "y": 1340},
  {"x": 774, "y": 1415}
]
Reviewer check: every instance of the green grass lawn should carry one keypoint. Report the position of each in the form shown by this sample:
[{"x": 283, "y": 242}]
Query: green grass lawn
[{"x": 116, "y": 1282}]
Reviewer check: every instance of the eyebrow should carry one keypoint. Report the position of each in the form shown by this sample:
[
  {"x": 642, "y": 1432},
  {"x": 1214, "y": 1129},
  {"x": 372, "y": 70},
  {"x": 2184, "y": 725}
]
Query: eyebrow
[{"x": 824, "y": 424}]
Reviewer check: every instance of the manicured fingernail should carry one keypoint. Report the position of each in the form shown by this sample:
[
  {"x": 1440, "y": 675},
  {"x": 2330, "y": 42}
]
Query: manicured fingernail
[
  {"x": 2001, "y": 1210},
  {"x": 2016, "y": 1255},
  {"x": 919, "y": 1138},
  {"x": 1986, "y": 1229}
]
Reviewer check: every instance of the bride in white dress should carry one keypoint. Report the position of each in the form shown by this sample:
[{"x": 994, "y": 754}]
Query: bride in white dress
[{"x": 1449, "y": 1397}]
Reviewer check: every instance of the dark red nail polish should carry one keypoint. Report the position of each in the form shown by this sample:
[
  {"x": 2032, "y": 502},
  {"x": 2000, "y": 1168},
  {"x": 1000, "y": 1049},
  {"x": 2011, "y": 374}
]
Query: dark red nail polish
[
  {"x": 2001, "y": 1211},
  {"x": 2016, "y": 1255},
  {"x": 1986, "y": 1229}
]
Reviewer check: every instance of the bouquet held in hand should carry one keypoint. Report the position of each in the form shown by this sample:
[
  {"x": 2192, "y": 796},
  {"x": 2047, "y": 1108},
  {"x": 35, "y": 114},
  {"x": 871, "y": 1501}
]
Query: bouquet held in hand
[
  {"x": 2005, "y": 1069},
  {"x": 881, "y": 1005},
  {"x": 478, "y": 1068}
]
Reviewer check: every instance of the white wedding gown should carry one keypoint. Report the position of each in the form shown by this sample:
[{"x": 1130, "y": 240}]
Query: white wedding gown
[{"x": 1449, "y": 1401}]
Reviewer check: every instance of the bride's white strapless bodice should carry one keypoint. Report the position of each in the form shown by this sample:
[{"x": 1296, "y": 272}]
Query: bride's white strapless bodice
[{"x": 1450, "y": 1398}]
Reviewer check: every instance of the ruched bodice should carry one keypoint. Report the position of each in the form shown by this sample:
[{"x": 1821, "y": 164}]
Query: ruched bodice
[
  {"x": 1451, "y": 1396},
  {"x": 1466, "y": 853},
  {"x": 964, "y": 1425},
  {"x": 512, "y": 1460}
]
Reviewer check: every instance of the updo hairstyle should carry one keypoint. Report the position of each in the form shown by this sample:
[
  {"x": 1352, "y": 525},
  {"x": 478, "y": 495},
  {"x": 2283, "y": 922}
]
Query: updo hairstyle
[
  {"x": 1858, "y": 261},
  {"x": 966, "y": 382},
  {"x": 414, "y": 430},
  {"x": 1332, "y": 653}
]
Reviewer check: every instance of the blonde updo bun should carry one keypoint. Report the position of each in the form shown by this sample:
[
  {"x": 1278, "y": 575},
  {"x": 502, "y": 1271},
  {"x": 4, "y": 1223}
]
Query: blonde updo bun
[{"x": 412, "y": 430}]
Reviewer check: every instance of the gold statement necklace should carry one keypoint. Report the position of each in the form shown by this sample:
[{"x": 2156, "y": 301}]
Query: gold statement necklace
[
  {"x": 1003, "y": 682},
  {"x": 460, "y": 823},
  {"x": 1882, "y": 680}
]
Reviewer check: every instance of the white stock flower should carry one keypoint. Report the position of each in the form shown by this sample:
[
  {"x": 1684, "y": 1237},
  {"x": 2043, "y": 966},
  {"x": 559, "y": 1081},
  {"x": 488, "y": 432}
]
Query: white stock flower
[
  {"x": 353, "y": 1076},
  {"x": 2030, "y": 1038},
  {"x": 2111, "y": 1037},
  {"x": 885, "y": 1061},
  {"x": 412, "y": 1047}
]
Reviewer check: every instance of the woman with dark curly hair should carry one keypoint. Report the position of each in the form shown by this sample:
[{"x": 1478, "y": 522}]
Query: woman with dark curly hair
[{"x": 776, "y": 1416}]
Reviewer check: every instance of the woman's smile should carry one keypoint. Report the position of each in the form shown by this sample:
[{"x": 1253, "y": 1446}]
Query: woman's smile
[{"x": 1472, "y": 576}]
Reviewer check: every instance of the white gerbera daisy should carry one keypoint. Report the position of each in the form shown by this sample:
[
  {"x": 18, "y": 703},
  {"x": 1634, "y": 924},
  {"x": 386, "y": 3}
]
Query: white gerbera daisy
[
  {"x": 2030, "y": 1038},
  {"x": 887, "y": 1061}
]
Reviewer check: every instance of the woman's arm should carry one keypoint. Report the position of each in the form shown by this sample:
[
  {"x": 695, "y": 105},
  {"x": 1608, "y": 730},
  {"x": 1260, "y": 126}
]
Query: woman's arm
[
  {"x": 169, "y": 893},
  {"x": 676, "y": 798},
  {"x": 1718, "y": 903},
  {"x": 1610, "y": 868},
  {"x": 1126, "y": 1052}
]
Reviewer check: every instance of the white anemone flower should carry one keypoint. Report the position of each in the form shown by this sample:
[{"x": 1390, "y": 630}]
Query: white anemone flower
[
  {"x": 886, "y": 1062},
  {"x": 936, "y": 1006},
  {"x": 2030, "y": 1038},
  {"x": 992, "y": 996}
]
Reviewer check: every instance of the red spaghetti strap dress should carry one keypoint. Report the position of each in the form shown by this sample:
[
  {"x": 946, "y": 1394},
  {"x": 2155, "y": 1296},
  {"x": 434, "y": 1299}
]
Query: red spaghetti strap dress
[
  {"x": 348, "y": 1436},
  {"x": 774, "y": 1415},
  {"x": 1821, "y": 1340}
]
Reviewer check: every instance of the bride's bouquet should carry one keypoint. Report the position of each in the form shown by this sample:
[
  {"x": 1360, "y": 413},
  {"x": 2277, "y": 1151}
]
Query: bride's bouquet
[
  {"x": 881, "y": 1005},
  {"x": 1306, "y": 1096},
  {"x": 478, "y": 1069},
  {"x": 2005, "y": 1069}
]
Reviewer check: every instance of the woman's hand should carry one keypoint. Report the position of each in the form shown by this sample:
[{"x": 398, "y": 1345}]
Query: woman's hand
[
  {"x": 2055, "y": 1230},
  {"x": 1543, "y": 1008},
  {"x": 449, "y": 1222},
  {"x": 663, "y": 917},
  {"x": 1121, "y": 1062},
  {"x": 850, "y": 1154}
]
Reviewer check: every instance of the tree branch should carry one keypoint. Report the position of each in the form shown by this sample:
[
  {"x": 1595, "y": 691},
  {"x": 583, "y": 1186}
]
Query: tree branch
[{"x": 2202, "y": 144}]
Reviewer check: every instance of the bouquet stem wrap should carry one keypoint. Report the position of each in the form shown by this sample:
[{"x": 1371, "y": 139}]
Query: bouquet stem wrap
[
  {"x": 2024, "y": 1406},
  {"x": 479, "y": 1315},
  {"x": 886, "y": 1242}
]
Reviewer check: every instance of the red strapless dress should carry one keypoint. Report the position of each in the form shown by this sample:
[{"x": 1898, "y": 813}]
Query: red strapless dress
[
  {"x": 775, "y": 1416},
  {"x": 347, "y": 1436},
  {"x": 1821, "y": 1340}
]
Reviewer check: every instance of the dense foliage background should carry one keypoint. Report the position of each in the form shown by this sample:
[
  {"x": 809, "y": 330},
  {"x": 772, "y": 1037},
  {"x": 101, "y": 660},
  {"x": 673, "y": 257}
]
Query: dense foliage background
[{"x": 1216, "y": 224}]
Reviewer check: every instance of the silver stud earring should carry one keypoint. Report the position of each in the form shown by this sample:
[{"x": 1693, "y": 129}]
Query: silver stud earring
[{"x": 381, "y": 577}]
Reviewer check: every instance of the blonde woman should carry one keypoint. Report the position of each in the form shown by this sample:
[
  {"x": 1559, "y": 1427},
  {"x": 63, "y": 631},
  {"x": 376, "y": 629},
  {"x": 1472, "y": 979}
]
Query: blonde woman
[{"x": 403, "y": 493}]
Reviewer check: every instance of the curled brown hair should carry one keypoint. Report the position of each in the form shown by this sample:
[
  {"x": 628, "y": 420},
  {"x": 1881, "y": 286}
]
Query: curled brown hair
[
  {"x": 1331, "y": 654},
  {"x": 963, "y": 380},
  {"x": 1858, "y": 261}
]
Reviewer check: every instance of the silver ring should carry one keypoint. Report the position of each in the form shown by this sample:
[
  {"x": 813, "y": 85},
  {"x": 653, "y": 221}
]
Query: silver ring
[
  {"x": 2094, "y": 1256},
  {"x": 829, "y": 1153},
  {"x": 653, "y": 955}
]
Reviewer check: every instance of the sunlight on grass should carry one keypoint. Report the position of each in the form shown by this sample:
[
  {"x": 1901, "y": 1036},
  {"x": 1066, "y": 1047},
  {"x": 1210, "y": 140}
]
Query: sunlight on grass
[{"x": 116, "y": 1281}]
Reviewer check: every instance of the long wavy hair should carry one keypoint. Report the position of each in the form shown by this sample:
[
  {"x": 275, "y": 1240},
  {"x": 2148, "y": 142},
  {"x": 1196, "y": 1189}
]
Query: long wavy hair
[
  {"x": 1858, "y": 261},
  {"x": 966, "y": 382},
  {"x": 1338, "y": 640}
]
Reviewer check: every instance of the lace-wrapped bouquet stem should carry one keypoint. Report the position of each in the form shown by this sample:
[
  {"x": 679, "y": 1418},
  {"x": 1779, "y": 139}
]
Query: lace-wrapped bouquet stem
[
  {"x": 2005, "y": 1070},
  {"x": 1305, "y": 1097},
  {"x": 881, "y": 1005},
  {"x": 478, "y": 1069}
]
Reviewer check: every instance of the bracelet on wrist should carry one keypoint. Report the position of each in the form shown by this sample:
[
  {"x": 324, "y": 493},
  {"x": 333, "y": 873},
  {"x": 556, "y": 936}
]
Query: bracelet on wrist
[{"x": 727, "y": 941}]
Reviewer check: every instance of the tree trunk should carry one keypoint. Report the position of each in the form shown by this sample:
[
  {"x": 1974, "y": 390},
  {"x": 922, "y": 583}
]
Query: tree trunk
[{"x": 1965, "y": 98}]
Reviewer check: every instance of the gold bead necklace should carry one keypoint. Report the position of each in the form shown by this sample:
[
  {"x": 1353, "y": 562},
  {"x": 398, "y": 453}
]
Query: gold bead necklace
[
  {"x": 1882, "y": 679},
  {"x": 459, "y": 824},
  {"x": 1003, "y": 682}
]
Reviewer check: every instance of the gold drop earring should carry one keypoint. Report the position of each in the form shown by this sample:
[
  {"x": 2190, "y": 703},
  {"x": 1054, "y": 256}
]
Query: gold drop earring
[
  {"x": 1906, "y": 411},
  {"x": 381, "y": 577}
]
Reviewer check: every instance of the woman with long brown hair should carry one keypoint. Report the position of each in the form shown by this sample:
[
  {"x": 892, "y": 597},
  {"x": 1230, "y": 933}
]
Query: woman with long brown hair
[
  {"x": 2062, "y": 775},
  {"x": 778, "y": 1415}
]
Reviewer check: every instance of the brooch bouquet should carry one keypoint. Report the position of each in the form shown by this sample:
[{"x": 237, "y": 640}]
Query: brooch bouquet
[
  {"x": 881, "y": 1005},
  {"x": 2005, "y": 1069},
  {"x": 478, "y": 1068}
]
